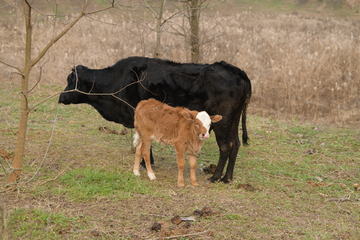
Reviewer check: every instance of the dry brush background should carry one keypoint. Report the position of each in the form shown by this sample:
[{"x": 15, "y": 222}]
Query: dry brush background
[{"x": 300, "y": 67}]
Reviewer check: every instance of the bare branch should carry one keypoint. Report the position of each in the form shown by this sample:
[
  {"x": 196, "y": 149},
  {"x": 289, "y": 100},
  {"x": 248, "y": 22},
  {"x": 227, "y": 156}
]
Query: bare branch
[
  {"x": 44, "y": 100},
  {"x": 37, "y": 80},
  {"x": 147, "y": 5},
  {"x": 54, "y": 177},
  {"x": 60, "y": 35},
  {"x": 7, "y": 4},
  {"x": 9, "y": 65},
  {"x": 47, "y": 47}
]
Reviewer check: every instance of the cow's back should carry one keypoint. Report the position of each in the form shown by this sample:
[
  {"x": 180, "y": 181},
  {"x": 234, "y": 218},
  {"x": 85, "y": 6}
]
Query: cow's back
[{"x": 210, "y": 87}]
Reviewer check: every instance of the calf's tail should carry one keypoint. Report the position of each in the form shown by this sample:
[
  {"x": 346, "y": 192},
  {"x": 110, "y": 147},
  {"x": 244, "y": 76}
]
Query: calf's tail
[{"x": 136, "y": 139}]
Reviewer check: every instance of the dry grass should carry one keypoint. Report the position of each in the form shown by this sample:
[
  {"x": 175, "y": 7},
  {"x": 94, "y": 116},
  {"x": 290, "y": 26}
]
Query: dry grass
[{"x": 300, "y": 67}]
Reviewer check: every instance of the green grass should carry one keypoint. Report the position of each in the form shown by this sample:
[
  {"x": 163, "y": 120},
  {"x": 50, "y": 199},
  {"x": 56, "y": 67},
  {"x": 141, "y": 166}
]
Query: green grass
[
  {"x": 89, "y": 183},
  {"x": 39, "y": 224},
  {"x": 300, "y": 171}
]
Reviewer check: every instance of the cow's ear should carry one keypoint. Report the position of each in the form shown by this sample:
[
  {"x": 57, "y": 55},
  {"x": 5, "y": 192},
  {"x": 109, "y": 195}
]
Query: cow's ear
[
  {"x": 72, "y": 69},
  {"x": 215, "y": 118},
  {"x": 187, "y": 115}
]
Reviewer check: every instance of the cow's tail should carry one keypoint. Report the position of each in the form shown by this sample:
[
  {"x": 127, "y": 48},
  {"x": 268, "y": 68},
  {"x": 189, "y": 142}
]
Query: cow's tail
[{"x": 245, "y": 137}]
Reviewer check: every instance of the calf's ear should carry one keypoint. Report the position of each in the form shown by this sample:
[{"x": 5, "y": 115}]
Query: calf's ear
[
  {"x": 187, "y": 115},
  {"x": 215, "y": 118}
]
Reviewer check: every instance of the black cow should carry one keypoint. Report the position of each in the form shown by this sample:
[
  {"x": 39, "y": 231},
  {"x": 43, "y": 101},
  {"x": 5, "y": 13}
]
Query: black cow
[{"x": 217, "y": 88}]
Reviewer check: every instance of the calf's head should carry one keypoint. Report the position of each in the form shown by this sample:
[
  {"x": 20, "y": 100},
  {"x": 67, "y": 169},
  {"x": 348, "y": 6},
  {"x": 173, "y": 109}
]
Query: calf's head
[{"x": 201, "y": 123}]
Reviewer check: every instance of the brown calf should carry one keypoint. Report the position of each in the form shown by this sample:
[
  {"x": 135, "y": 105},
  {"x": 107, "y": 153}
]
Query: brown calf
[{"x": 179, "y": 127}]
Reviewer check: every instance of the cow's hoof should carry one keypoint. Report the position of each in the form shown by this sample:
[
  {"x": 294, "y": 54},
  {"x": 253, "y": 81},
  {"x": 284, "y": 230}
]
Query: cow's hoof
[
  {"x": 225, "y": 180},
  {"x": 213, "y": 179}
]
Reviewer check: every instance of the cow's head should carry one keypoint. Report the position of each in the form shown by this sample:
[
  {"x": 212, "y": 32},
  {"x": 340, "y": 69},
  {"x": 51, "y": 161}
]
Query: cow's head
[
  {"x": 77, "y": 79},
  {"x": 201, "y": 123}
]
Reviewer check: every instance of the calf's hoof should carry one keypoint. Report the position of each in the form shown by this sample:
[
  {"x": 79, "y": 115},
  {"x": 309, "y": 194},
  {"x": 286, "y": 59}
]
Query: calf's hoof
[
  {"x": 136, "y": 173},
  {"x": 151, "y": 176},
  {"x": 195, "y": 185}
]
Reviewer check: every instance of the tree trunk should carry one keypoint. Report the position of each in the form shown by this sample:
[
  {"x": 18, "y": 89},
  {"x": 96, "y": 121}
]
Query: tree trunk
[
  {"x": 194, "y": 30},
  {"x": 25, "y": 73},
  {"x": 158, "y": 30},
  {"x": 20, "y": 143}
]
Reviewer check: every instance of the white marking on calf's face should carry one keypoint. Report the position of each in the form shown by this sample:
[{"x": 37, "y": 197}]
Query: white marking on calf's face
[
  {"x": 206, "y": 122},
  {"x": 205, "y": 119}
]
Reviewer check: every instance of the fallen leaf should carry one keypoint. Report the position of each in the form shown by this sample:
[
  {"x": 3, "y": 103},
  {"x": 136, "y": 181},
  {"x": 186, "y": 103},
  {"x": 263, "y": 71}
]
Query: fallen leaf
[
  {"x": 191, "y": 218},
  {"x": 319, "y": 179},
  {"x": 323, "y": 195}
]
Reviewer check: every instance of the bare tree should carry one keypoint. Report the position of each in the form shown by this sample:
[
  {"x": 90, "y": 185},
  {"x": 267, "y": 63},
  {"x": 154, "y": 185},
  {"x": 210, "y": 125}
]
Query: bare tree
[
  {"x": 159, "y": 24},
  {"x": 29, "y": 63},
  {"x": 194, "y": 18},
  {"x": 191, "y": 10}
]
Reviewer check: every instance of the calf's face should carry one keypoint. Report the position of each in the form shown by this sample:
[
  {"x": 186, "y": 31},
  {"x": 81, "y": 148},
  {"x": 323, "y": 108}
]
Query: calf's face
[{"x": 201, "y": 123}]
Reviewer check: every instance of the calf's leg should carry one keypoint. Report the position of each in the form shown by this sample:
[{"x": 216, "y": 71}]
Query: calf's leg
[
  {"x": 151, "y": 159},
  {"x": 145, "y": 149},
  {"x": 192, "y": 162},
  {"x": 138, "y": 155},
  {"x": 181, "y": 164}
]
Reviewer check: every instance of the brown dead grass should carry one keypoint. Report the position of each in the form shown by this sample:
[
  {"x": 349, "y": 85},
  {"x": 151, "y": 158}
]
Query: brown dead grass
[{"x": 300, "y": 67}]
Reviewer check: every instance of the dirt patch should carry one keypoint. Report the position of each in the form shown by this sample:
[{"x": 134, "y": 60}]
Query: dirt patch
[
  {"x": 124, "y": 131},
  {"x": 6, "y": 155},
  {"x": 246, "y": 187}
]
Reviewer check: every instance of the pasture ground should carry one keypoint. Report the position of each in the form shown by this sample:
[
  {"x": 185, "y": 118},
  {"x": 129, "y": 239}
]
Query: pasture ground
[{"x": 302, "y": 175}]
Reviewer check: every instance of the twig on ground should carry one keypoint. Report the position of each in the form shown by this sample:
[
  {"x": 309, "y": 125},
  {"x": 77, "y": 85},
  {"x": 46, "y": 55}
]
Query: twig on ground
[{"x": 53, "y": 178}]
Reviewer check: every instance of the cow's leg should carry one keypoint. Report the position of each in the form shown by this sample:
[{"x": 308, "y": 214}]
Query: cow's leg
[
  {"x": 138, "y": 155},
  {"x": 151, "y": 159},
  {"x": 225, "y": 146},
  {"x": 235, "y": 143},
  {"x": 145, "y": 149},
  {"x": 192, "y": 162},
  {"x": 232, "y": 158},
  {"x": 180, "y": 154},
  {"x": 223, "y": 139}
]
